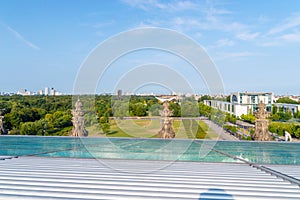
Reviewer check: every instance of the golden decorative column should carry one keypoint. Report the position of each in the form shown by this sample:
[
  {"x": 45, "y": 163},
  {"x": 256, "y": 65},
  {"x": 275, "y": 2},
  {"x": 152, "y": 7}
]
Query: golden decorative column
[
  {"x": 167, "y": 130},
  {"x": 262, "y": 124},
  {"x": 78, "y": 121}
]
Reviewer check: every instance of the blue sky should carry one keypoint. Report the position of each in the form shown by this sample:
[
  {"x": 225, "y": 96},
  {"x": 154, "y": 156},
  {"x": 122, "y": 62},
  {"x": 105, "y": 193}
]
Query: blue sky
[{"x": 254, "y": 44}]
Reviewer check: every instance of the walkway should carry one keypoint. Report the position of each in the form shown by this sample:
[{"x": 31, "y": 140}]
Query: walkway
[{"x": 223, "y": 135}]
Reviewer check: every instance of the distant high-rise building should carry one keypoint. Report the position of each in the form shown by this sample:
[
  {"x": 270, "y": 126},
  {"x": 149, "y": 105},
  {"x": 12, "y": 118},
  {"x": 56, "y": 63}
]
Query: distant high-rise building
[
  {"x": 52, "y": 92},
  {"x": 40, "y": 92},
  {"x": 46, "y": 91},
  {"x": 57, "y": 93},
  {"x": 119, "y": 94},
  {"x": 24, "y": 92}
]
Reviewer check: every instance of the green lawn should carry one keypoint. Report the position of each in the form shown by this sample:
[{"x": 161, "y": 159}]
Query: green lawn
[
  {"x": 193, "y": 129},
  {"x": 146, "y": 128}
]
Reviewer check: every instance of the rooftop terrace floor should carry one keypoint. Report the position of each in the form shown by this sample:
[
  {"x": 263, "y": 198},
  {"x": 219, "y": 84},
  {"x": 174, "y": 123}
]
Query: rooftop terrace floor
[{"x": 67, "y": 178}]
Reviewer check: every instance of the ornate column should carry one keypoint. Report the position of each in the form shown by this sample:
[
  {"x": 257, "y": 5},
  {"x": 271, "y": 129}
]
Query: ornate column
[
  {"x": 262, "y": 124},
  {"x": 2, "y": 131},
  {"x": 1, "y": 125},
  {"x": 167, "y": 130},
  {"x": 78, "y": 121}
]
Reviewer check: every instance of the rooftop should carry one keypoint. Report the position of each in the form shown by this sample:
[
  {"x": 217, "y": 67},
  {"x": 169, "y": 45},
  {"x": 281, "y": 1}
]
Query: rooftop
[
  {"x": 67, "y": 178},
  {"x": 118, "y": 168}
]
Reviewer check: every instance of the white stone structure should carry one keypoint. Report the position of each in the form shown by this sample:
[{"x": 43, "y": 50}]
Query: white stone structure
[
  {"x": 293, "y": 108},
  {"x": 243, "y": 102},
  {"x": 287, "y": 136},
  {"x": 78, "y": 121},
  {"x": 247, "y": 102},
  {"x": 47, "y": 91}
]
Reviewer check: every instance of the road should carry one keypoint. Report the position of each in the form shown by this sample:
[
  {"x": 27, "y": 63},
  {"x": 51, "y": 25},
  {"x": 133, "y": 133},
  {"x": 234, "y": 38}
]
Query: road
[{"x": 223, "y": 135}]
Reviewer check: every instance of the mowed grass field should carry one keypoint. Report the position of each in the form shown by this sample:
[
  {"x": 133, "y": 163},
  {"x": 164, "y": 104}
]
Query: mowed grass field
[{"x": 148, "y": 128}]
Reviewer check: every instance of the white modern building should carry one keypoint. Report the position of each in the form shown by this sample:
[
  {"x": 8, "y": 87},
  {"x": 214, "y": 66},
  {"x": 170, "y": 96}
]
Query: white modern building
[
  {"x": 25, "y": 92},
  {"x": 52, "y": 92},
  {"x": 247, "y": 102},
  {"x": 293, "y": 108},
  {"x": 243, "y": 102},
  {"x": 40, "y": 92},
  {"x": 47, "y": 91}
]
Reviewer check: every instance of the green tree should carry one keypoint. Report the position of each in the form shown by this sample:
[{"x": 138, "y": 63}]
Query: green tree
[
  {"x": 275, "y": 117},
  {"x": 217, "y": 116},
  {"x": 280, "y": 128},
  {"x": 175, "y": 107},
  {"x": 154, "y": 109},
  {"x": 90, "y": 119},
  {"x": 28, "y": 128},
  {"x": 204, "y": 110},
  {"x": 274, "y": 109},
  {"x": 248, "y": 118},
  {"x": 230, "y": 118},
  {"x": 120, "y": 109},
  {"x": 230, "y": 128},
  {"x": 189, "y": 109},
  {"x": 287, "y": 100},
  {"x": 105, "y": 125},
  {"x": 204, "y": 97},
  {"x": 139, "y": 109}
]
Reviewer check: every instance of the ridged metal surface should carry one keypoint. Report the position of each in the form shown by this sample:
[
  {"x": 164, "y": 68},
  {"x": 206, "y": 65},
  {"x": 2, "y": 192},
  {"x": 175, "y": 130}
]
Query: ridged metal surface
[
  {"x": 290, "y": 170},
  {"x": 62, "y": 178},
  {"x": 5, "y": 157}
]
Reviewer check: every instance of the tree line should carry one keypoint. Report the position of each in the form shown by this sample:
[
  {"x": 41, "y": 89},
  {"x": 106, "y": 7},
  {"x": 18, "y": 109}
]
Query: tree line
[
  {"x": 51, "y": 115},
  {"x": 36, "y": 115}
]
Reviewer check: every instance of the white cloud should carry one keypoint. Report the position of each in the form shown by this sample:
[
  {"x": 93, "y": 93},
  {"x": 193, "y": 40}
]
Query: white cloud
[
  {"x": 292, "y": 37},
  {"x": 247, "y": 36},
  {"x": 198, "y": 23},
  {"x": 103, "y": 24},
  {"x": 184, "y": 5},
  {"x": 288, "y": 23},
  {"x": 226, "y": 55},
  {"x": 234, "y": 27},
  {"x": 141, "y": 4},
  {"x": 189, "y": 22},
  {"x": 281, "y": 40},
  {"x": 21, "y": 38},
  {"x": 223, "y": 43},
  {"x": 146, "y": 5},
  {"x": 209, "y": 16},
  {"x": 286, "y": 32},
  {"x": 212, "y": 12},
  {"x": 272, "y": 43},
  {"x": 151, "y": 23}
]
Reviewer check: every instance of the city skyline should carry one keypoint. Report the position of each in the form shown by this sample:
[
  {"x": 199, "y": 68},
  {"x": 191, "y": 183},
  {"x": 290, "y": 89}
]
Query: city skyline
[
  {"x": 253, "y": 44},
  {"x": 54, "y": 92}
]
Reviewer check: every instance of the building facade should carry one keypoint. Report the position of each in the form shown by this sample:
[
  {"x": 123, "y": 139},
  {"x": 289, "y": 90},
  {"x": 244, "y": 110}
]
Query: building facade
[
  {"x": 293, "y": 108},
  {"x": 247, "y": 102},
  {"x": 243, "y": 102}
]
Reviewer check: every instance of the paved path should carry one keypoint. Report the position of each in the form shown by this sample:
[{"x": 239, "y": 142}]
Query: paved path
[{"x": 223, "y": 135}]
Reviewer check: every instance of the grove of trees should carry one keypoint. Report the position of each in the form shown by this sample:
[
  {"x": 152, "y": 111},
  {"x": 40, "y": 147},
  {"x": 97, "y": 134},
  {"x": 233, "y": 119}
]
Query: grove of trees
[
  {"x": 287, "y": 100},
  {"x": 37, "y": 115},
  {"x": 51, "y": 115}
]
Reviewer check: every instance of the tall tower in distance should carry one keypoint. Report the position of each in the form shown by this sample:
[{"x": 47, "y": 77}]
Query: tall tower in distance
[
  {"x": 119, "y": 93},
  {"x": 46, "y": 91},
  {"x": 52, "y": 92}
]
